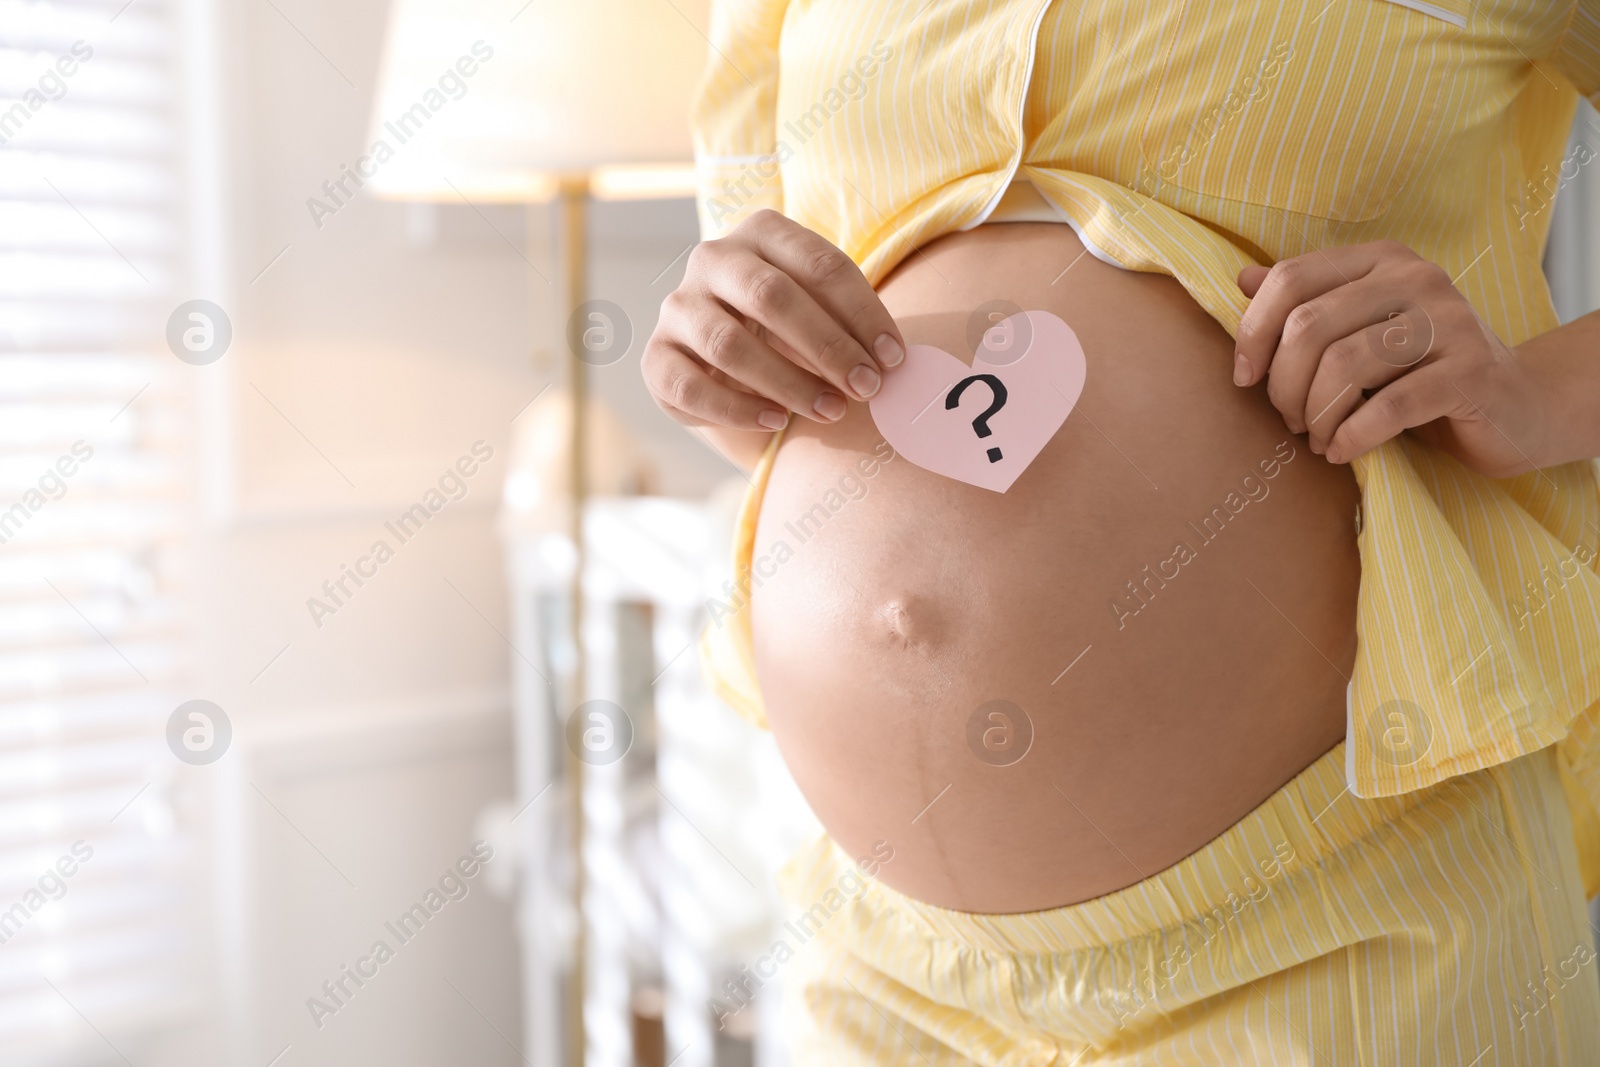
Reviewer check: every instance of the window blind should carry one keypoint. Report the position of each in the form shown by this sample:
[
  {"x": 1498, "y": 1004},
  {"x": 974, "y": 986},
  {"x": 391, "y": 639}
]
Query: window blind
[{"x": 97, "y": 878}]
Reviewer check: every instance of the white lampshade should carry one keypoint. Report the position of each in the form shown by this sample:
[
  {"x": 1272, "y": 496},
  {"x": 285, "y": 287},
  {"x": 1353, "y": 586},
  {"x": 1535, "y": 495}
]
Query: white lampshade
[{"x": 478, "y": 97}]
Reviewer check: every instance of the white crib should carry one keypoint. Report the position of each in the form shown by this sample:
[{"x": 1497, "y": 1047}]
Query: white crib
[{"x": 682, "y": 833}]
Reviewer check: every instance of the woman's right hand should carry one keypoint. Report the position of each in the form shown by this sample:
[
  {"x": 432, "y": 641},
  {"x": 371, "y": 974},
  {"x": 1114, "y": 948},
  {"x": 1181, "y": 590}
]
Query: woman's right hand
[{"x": 767, "y": 320}]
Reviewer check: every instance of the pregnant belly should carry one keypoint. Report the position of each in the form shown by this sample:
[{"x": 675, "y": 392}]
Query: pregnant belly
[{"x": 1041, "y": 696}]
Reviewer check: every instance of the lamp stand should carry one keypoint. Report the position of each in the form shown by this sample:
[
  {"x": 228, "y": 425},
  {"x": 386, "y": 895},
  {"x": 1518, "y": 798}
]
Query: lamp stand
[{"x": 572, "y": 204}]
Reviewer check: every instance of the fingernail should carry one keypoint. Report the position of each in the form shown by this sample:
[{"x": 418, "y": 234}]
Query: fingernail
[
  {"x": 1334, "y": 455},
  {"x": 830, "y": 406},
  {"x": 888, "y": 350},
  {"x": 773, "y": 419},
  {"x": 864, "y": 380},
  {"x": 1241, "y": 369}
]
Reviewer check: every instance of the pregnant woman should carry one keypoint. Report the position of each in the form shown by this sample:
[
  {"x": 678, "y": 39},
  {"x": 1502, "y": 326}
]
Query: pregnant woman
[{"x": 1258, "y": 720}]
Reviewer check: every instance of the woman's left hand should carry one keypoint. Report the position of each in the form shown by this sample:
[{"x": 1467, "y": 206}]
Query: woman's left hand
[{"x": 1361, "y": 342}]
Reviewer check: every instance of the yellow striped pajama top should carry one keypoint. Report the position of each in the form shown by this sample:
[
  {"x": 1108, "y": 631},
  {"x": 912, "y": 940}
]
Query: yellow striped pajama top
[{"x": 1192, "y": 139}]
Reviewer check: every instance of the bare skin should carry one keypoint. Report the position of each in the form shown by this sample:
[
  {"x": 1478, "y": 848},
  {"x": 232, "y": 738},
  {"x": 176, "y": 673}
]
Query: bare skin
[
  {"x": 901, "y": 613},
  {"x": 925, "y": 598}
]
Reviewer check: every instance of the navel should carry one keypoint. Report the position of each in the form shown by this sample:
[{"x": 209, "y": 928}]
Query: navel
[{"x": 910, "y": 619}]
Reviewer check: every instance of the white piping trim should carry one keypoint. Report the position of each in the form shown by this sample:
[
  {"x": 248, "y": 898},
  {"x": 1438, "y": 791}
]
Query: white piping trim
[
  {"x": 1458, "y": 21},
  {"x": 1022, "y": 110},
  {"x": 1061, "y": 216},
  {"x": 1098, "y": 253},
  {"x": 994, "y": 202}
]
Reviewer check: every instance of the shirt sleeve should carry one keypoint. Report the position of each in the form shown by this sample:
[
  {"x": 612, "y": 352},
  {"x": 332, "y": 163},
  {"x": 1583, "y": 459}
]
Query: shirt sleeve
[
  {"x": 734, "y": 115},
  {"x": 1577, "y": 53}
]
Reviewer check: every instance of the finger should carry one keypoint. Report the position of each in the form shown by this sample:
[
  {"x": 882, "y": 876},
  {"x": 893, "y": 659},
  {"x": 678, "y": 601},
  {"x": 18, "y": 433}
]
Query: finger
[
  {"x": 1310, "y": 330},
  {"x": 723, "y": 342},
  {"x": 1250, "y": 279},
  {"x": 685, "y": 389},
  {"x": 1290, "y": 283},
  {"x": 1367, "y": 359},
  {"x": 836, "y": 283},
  {"x": 766, "y": 294},
  {"x": 1413, "y": 399}
]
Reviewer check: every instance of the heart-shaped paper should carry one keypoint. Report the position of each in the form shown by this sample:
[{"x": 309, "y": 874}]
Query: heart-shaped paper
[{"x": 1026, "y": 376}]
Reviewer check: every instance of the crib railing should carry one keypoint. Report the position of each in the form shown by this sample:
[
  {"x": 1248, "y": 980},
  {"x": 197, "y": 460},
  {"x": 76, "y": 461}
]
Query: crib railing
[{"x": 686, "y": 809}]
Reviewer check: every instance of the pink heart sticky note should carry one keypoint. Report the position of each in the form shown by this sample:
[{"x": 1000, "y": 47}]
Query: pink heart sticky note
[{"x": 985, "y": 423}]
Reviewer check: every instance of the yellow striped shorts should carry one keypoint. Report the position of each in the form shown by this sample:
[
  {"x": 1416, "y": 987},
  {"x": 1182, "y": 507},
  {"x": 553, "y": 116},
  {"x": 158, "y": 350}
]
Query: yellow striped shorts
[{"x": 1445, "y": 926}]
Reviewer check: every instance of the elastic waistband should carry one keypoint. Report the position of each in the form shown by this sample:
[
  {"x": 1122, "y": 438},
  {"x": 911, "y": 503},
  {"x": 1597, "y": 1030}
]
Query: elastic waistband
[{"x": 1310, "y": 818}]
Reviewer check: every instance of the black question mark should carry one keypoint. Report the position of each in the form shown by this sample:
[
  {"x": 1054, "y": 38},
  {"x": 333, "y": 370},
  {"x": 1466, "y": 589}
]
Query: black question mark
[{"x": 980, "y": 425}]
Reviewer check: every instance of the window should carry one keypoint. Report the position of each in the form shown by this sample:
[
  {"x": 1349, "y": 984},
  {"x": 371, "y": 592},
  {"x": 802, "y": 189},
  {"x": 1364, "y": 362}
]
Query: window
[{"x": 97, "y": 877}]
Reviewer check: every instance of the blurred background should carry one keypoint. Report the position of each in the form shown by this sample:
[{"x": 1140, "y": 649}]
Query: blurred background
[{"x": 294, "y": 301}]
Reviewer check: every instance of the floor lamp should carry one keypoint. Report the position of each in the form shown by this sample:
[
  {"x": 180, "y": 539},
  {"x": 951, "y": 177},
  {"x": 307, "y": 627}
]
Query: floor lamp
[{"x": 482, "y": 101}]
